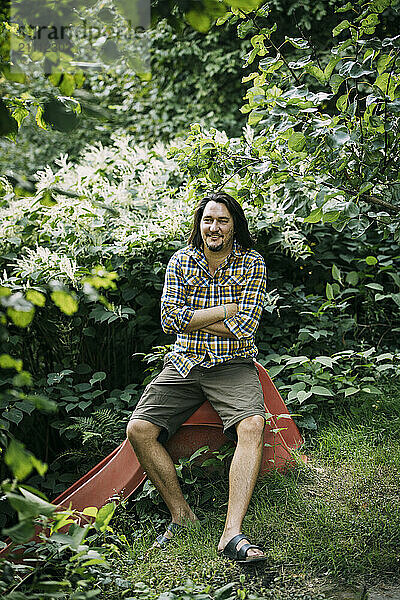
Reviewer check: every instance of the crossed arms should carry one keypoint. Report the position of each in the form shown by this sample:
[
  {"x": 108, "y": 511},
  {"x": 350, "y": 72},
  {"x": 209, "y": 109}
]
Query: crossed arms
[
  {"x": 241, "y": 319},
  {"x": 211, "y": 320}
]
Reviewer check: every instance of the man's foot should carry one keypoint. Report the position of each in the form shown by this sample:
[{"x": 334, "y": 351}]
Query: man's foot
[
  {"x": 238, "y": 548},
  {"x": 174, "y": 530},
  {"x": 162, "y": 541}
]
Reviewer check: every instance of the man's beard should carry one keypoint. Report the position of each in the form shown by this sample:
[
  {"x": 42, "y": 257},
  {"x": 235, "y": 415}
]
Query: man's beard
[{"x": 215, "y": 248}]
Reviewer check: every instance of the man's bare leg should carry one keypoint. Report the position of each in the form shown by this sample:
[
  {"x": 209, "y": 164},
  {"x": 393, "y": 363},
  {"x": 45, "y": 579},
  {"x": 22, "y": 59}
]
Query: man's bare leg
[
  {"x": 160, "y": 468},
  {"x": 242, "y": 478}
]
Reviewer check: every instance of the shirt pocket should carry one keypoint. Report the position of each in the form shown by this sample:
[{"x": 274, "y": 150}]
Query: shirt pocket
[
  {"x": 231, "y": 288},
  {"x": 197, "y": 291}
]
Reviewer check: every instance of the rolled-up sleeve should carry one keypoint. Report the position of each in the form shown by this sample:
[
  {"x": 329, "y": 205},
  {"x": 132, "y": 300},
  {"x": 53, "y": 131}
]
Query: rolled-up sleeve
[
  {"x": 175, "y": 315},
  {"x": 244, "y": 324}
]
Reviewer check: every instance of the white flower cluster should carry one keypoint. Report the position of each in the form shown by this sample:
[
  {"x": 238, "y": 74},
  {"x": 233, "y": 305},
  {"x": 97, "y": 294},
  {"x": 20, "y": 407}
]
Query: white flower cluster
[
  {"x": 45, "y": 265},
  {"x": 112, "y": 201}
]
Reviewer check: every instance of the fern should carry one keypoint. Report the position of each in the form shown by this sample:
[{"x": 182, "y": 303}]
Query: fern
[{"x": 98, "y": 434}]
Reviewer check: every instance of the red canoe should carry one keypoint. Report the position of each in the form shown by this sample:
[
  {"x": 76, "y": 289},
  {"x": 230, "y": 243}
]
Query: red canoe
[{"x": 120, "y": 472}]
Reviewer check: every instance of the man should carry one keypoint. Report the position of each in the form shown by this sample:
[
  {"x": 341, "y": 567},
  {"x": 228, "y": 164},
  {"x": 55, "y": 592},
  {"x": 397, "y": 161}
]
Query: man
[{"x": 212, "y": 299}]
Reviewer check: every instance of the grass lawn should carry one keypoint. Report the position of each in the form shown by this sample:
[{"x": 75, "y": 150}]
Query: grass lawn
[{"x": 335, "y": 520}]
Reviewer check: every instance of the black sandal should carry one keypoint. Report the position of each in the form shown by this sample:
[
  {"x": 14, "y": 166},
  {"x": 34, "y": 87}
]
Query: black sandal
[
  {"x": 240, "y": 556},
  {"x": 162, "y": 540}
]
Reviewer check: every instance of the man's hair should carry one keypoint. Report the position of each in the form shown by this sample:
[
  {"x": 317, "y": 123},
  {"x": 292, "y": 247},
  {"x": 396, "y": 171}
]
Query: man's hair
[{"x": 240, "y": 225}]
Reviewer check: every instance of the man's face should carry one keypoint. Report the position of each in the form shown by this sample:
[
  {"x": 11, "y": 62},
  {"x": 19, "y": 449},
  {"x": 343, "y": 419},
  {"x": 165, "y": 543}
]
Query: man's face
[{"x": 216, "y": 227}]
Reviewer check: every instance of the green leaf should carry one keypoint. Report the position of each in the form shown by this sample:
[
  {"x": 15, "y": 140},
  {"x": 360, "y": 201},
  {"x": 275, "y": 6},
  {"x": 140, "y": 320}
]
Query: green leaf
[
  {"x": 297, "y": 141},
  {"x": 224, "y": 18},
  {"x": 396, "y": 298},
  {"x": 224, "y": 592},
  {"x": 350, "y": 391},
  {"x": 244, "y": 28},
  {"x": 214, "y": 8},
  {"x": 20, "y": 318},
  {"x": 379, "y": 5},
  {"x": 321, "y": 391},
  {"x": 65, "y": 302},
  {"x": 39, "y": 118},
  {"x": 99, "y": 376},
  {"x": 386, "y": 83},
  {"x": 275, "y": 370},
  {"x": 7, "y": 362},
  {"x": 40, "y": 467},
  {"x": 67, "y": 85},
  {"x": 345, "y": 8},
  {"x": 8, "y": 125},
  {"x": 77, "y": 535},
  {"x": 336, "y": 274},
  {"x": 13, "y": 415},
  {"x": 331, "y": 216},
  {"x": 30, "y": 505},
  {"x": 18, "y": 460},
  {"x": 302, "y": 396},
  {"x": 307, "y": 422},
  {"x": 370, "y": 389},
  {"x": 21, "y": 533},
  {"x": 384, "y": 356},
  {"x": 91, "y": 511},
  {"x": 299, "y": 43},
  {"x": 366, "y": 187},
  {"x": 4, "y": 291},
  {"x": 382, "y": 62},
  {"x": 329, "y": 68},
  {"x": 343, "y": 25},
  {"x": 199, "y": 20},
  {"x": 247, "y": 5},
  {"x": 316, "y": 72},
  {"x": 371, "y": 260},
  {"x": 12, "y": 75},
  {"x": 295, "y": 360},
  {"x": 36, "y": 298},
  {"x": 329, "y": 291},
  {"x": 324, "y": 360},
  {"x": 352, "y": 278},
  {"x": 314, "y": 217},
  {"x": 19, "y": 113},
  {"x": 47, "y": 199},
  {"x": 375, "y": 286},
  {"x": 254, "y": 117},
  {"x": 341, "y": 103},
  {"x": 104, "y": 516},
  {"x": 336, "y": 81}
]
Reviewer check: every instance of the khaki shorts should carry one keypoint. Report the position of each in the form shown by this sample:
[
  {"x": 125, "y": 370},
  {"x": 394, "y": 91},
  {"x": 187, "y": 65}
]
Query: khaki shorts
[{"x": 232, "y": 388}]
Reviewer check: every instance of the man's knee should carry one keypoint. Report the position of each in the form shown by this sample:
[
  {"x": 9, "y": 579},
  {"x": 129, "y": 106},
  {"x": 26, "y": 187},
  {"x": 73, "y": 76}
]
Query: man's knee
[
  {"x": 251, "y": 427},
  {"x": 139, "y": 430}
]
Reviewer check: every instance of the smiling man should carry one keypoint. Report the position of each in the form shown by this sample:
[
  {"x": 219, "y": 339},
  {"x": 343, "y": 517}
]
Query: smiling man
[{"x": 212, "y": 299}]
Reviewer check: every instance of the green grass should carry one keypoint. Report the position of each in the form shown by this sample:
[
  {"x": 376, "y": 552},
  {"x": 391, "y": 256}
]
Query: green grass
[{"x": 335, "y": 518}]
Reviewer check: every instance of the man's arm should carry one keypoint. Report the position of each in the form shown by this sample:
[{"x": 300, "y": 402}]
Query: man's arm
[
  {"x": 211, "y": 317},
  {"x": 245, "y": 322},
  {"x": 176, "y": 316},
  {"x": 220, "y": 330}
]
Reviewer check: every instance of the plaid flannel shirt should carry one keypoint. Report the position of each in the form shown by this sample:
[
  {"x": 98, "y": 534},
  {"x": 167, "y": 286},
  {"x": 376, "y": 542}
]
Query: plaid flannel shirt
[{"x": 189, "y": 286}]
